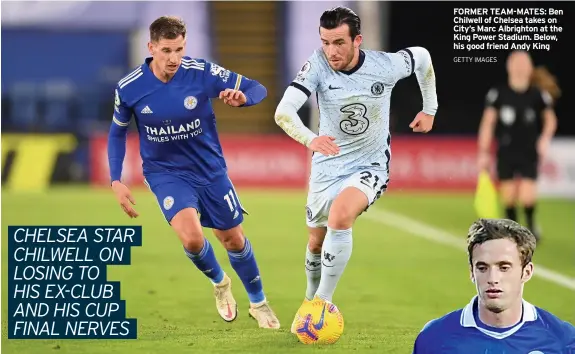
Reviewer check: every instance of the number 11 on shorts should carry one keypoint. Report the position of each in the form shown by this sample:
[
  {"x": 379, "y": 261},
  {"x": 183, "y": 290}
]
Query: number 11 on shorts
[{"x": 230, "y": 198}]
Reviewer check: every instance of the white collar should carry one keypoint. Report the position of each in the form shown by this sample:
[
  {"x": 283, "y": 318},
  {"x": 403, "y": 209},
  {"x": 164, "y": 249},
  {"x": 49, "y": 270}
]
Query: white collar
[{"x": 468, "y": 320}]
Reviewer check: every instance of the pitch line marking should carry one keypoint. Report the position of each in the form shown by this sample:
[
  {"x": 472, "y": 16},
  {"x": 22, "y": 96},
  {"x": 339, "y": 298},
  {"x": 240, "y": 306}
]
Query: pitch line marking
[{"x": 437, "y": 235}]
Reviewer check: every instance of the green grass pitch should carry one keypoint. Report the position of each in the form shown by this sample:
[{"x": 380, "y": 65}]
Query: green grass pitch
[{"x": 393, "y": 285}]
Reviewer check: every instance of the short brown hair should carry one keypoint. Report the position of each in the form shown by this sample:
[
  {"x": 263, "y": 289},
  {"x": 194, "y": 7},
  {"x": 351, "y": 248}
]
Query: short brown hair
[
  {"x": 167, "y": 27},
  {"x": 484, "y": 230}
]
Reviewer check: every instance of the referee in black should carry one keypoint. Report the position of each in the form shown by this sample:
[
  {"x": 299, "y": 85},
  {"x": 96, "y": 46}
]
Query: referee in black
[{"x": 520, "y": 116}]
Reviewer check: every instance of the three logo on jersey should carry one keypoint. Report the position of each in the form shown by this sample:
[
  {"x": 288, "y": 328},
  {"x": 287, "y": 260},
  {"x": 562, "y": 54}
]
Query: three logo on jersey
[{"x": 355, "y": 121}]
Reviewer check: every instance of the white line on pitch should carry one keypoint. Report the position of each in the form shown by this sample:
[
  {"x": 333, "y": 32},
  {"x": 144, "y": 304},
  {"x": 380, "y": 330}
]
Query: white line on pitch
[{"x": 419, "y": 229}]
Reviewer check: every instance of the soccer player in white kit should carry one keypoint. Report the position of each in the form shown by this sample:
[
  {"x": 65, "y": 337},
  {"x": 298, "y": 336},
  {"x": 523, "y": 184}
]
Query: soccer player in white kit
[{"x": 350, "y": 164}]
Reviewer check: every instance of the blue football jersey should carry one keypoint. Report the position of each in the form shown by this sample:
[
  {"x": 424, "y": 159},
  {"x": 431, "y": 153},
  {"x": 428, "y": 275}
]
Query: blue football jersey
[
  {"x": 461, "y": 331},
  {"x": 175, "y": 120}
]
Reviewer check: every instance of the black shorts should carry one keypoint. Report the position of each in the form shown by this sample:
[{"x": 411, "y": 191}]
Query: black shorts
[{"x": 509, "y": 168}]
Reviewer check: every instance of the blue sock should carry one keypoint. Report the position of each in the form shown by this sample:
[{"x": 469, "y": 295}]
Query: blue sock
[
  {"x": 245, "y": 265},
  {"x": 207, "y": 263}
]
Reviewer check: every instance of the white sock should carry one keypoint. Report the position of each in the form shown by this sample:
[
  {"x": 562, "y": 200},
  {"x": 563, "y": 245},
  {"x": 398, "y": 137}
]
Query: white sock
[
  {"x": 335, "y": 254},
  {"x": 312, "y": 272}
]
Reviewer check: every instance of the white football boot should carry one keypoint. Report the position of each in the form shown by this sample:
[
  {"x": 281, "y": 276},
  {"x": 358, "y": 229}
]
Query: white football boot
[
  {"x": 264, "y": 315},
  {"x": 225, "y": 302}
]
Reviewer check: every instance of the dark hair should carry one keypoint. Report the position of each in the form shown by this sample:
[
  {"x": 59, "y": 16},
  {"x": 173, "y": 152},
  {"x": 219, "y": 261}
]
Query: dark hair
[
  {"x": 338, "y": 16},
  {"x": 484, "y": 230},
  {"x": 167, "y": 27}
]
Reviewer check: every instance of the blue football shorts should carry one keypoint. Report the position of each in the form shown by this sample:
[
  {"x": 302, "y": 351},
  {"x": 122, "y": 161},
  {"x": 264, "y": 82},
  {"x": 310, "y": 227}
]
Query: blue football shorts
[{"x": 218, "y": 204}]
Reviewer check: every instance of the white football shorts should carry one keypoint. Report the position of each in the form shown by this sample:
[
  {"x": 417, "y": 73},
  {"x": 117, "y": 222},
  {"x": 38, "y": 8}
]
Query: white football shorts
[{"x": 323, "y": 190}]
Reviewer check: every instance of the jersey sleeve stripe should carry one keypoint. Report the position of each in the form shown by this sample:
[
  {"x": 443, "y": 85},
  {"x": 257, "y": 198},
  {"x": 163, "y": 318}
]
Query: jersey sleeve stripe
[
  {"x": 130, "y": 75},
  {"x": 117, "y": 121},
  {"x": 125, "y": 83},
  {"x": 192, "y": 61},
  {"x": 193, "y": 66},
  {"x": 238, "y": 82},
  {"x": 302, "y": 88},
  {"x": 412, "y": 60}
]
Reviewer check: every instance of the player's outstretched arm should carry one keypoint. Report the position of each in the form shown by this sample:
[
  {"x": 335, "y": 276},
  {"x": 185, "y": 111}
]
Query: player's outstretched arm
[
  {"x": 253, "y": 90},
  {"x": 306, "y": 81},
  {"x": 250, "y": 93},
  {"x": 116, "y": 153},
  {"x": 234, "y": 89},
  {"x": 423, "y": 69},
  {"x": 286, "y": 117},
  {"x": 116, "y": 149},
  {"x": 418, "y": 60}
]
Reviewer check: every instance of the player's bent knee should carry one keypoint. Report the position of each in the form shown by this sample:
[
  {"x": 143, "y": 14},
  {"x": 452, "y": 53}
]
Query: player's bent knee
[
  {"x": 346, "y": 208},
  {"x": 187, "y": 226},
  {"x": 341, "y": 219},
  {"x": 315, "y": 243},
  {"x": 232, "y": 239},
  {"x": 316, "y": 237}
]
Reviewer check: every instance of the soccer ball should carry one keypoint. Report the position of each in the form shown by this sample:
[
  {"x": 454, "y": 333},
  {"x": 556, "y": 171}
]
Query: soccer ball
[{"x": 319, "y": 322}]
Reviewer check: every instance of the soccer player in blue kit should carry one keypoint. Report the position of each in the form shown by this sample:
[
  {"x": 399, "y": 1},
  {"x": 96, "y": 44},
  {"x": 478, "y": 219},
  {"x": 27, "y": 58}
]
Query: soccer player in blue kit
[
  {"x": 183, "y": 164},
  {"x": 498, "y": 320}
]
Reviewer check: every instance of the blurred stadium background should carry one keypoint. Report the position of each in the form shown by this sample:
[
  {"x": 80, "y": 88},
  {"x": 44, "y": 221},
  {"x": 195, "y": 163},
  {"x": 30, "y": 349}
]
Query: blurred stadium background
[{"x": 60, "y": 62}]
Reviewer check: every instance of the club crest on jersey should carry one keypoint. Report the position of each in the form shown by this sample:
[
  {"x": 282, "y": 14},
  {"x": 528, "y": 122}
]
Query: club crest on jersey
[
  {"x": 168, "y": 202},
  {"x": 190, "y": 102},
  {"x": 377, "y": 88}
]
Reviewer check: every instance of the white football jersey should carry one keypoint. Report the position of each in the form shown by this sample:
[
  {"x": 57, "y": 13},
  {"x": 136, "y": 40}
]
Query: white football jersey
[{"x": 354, "y": 107}]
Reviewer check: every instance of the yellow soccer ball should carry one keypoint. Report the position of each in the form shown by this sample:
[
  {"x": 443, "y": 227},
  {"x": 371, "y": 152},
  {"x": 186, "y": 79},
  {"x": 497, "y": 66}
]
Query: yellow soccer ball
[{"x": 319, "y": 322}]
